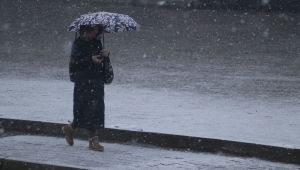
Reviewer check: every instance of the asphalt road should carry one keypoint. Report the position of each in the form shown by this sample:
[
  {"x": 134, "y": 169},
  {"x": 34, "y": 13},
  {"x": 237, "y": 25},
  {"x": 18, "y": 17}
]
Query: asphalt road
[{"x": 207, "y": 52}]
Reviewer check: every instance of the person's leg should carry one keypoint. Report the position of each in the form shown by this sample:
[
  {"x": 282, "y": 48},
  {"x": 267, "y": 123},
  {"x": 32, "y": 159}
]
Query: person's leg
[
  {"x": 73, "y": 125},
  {"x": 68, "y": 130},
  {"x": 92, "y": 133},
  {"x": 97, "y": 114}
]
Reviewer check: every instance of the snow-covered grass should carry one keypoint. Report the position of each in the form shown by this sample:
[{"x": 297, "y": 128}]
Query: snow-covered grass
[{"x": 269, "y": 122}]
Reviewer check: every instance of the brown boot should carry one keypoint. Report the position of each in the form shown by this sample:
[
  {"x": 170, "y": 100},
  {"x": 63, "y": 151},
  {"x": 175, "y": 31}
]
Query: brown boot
[
  {"x": 68, "y": 131},
  {"x": 94, "y": 144}
]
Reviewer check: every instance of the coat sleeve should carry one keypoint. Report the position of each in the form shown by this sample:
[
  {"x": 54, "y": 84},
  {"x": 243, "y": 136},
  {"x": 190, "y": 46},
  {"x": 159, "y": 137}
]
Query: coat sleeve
[{"x": 109, "y": 73}]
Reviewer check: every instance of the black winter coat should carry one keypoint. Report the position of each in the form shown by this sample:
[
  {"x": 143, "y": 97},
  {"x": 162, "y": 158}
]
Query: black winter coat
[
  {"x": 89, "y": 79},
  {"x": 82, "y": 67}
]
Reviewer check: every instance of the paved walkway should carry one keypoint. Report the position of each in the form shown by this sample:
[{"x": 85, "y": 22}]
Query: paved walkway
[{"x": 55, "y": 151}]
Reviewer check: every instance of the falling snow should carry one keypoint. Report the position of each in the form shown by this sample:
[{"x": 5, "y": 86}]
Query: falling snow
[{"x": 222, "y": 74}]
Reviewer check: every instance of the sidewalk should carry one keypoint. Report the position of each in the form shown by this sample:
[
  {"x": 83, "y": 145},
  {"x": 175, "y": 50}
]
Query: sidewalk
[
  {"x": 54, "y": 151},
  {"x": 165, "y": 141}
]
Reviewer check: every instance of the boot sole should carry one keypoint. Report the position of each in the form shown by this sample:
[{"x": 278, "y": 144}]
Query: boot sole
[{"x": 96, "y": 149}]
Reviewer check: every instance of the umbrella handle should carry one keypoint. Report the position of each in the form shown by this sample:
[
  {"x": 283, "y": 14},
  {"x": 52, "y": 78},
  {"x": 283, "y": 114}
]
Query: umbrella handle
[{"x": 103, "y": 41}]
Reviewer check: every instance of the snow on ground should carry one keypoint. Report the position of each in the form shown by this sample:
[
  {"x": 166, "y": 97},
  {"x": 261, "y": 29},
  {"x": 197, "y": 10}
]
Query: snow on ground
[
  {"x": 218, "y": 75},
  {"x": 55, "y": 151},
  {"x": 271, "y": 122}
]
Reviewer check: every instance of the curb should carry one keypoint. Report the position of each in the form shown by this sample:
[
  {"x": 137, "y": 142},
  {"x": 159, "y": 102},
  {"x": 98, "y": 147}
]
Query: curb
[
  {"x": 195, "y": 144},
  {"x": 8, "y": 164}
]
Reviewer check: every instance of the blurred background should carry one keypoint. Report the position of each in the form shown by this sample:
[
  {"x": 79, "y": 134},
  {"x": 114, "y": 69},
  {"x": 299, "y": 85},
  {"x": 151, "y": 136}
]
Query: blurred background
[{"x": 224, "y": 48}]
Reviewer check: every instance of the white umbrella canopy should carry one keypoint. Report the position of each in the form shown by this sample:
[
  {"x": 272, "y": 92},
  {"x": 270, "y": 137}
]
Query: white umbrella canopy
[{"x": 111, "y": 22}]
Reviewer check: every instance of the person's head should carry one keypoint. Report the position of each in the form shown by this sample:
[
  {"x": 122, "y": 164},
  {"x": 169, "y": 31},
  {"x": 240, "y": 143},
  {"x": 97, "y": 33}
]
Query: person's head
[{"x": 90, "y": 31}]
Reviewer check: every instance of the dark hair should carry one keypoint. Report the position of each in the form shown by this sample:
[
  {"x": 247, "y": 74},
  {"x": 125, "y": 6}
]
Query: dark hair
[{"x": 86, "y": 28}]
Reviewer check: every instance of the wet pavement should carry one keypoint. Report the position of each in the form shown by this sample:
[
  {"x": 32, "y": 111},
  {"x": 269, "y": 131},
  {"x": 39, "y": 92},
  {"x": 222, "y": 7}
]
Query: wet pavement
[
  {"x": 237, "y": 53},
  {"x": 55, "y": 151}
]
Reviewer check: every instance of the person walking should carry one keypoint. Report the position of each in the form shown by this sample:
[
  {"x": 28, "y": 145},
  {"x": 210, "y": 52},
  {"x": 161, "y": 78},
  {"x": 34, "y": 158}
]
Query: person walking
[{"x": 90, "y": 69}]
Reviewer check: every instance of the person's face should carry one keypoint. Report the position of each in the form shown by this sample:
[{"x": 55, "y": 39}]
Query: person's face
[{"x": 92, "y": 32}]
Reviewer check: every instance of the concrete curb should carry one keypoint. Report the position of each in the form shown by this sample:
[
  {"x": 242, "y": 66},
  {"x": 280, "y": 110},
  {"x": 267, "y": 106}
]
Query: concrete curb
[
  {"x": 8, "y": 164},
  {"x": 197, "y": 144}
]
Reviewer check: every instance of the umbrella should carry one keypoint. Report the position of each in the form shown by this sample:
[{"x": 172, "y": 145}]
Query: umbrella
[{"x": 112, "y": 22}]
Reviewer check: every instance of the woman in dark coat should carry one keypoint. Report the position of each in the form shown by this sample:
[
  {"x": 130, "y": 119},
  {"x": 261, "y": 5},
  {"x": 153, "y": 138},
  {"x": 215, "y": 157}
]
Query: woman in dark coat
[{"x": 89, "y": 69}]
